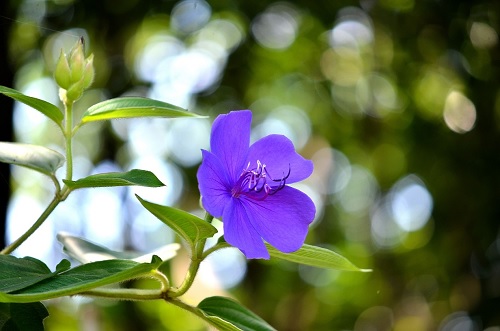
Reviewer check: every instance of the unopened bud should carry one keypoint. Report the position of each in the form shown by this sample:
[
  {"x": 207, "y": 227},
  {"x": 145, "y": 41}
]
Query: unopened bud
[
  {"x": 74, "y": 73},
  {"x": 75, "y": 91},
  {"x": 77, "y": 61},
  {"x": 62, "y": 73}
]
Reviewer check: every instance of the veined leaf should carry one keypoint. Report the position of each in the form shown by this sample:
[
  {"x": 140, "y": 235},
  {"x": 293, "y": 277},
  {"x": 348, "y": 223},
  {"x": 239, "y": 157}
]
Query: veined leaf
[
  {"x": 42, "y": 106},
  {"x": 189, "y": 227},
  {"x": 129, "y": 178},
  {"x": 35, "y": 157},
  {"x": 83, "y": 278},
  {"x": 316, "y": 257},
  {"x": 18, "y": 273},
  {"x": 219, "y": 323},
  {"x": 128, "y": 107},
  {"x": 85, "y": 251},
  {"x": 22, "y": 316},
  {"x": 234, "y": 313}
]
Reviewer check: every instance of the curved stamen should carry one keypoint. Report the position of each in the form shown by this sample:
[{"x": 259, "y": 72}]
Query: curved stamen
[{"x": 253, "y": 182}]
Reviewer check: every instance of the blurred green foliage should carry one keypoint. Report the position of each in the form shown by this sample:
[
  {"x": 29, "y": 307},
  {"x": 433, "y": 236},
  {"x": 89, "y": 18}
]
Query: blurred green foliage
[{"x": 396, "y": 101}]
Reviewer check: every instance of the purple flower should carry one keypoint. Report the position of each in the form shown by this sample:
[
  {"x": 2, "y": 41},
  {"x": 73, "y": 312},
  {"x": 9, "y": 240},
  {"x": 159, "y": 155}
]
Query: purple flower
[{"x": 246, "y": 186}]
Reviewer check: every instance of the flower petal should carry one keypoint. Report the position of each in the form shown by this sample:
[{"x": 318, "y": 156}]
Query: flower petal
[
  {"x": 214, "y": 185},
  {"x": 230, "y": 140},
  {"x": 278, "y": 154},
  {"x": 282, "y": 219},
  {"x": 239, "y": 232}
]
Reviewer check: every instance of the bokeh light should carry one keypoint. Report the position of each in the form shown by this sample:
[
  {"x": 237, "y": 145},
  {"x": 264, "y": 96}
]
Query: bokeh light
[
  {"x": 277, "y": 26},
  {"x": 395, "y": 101}
]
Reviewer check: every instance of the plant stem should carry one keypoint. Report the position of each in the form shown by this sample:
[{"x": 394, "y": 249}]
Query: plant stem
[
  {"x": 60, "y": 195},
  {"x": 214, "y": 248},
  {"x": 187, "y": 307},
  {"x": 68, "y": 135},
  {"x": 125, "y": 294},
  {"x": 188, "y": 281},
  {"x": 53, "y": 204},
  {"x": 196, "y": 259},
  {"x": 160, "y": 277}
]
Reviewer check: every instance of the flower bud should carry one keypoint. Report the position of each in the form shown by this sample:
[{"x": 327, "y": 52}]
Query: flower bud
[
  {"x": 75, "y": 91},
  {"x": 74, "y": 73},
  {"x": 77, "y": 61},
  {"x": 62, "y": 73}
]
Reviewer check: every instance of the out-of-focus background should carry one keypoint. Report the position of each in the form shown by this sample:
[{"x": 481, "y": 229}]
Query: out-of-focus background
[{"x": 396, "y": 101}]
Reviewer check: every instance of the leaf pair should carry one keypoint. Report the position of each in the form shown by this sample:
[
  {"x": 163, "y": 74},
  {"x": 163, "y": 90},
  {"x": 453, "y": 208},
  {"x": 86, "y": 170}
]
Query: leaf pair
[{"x": 126, "y": 107}]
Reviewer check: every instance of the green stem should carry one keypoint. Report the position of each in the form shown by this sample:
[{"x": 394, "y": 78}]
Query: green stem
[
  {"x": 196, "y": 260},
  {"x": 60, "y": 195},
  {"x": 215, "y": 248},
  {"x": 188, "y": 281},
  {"x": 56, "y": 184},
  {"x": 9, "y": 249},
  {"x": 125, "y": 294},
  {"x": 68, "y": 135},
  {"x": 159, "y": 276},
  {"x": 187, "y": 307}
]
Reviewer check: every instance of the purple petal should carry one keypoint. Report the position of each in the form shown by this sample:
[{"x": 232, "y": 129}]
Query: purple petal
[
  {"x": 278, "y": 154},
  {"x": 230, "y": 140},
  {"x": 239, "y": 232},
  {"x": 214, "y": 185},
  {"x": 282, "y": 219}
]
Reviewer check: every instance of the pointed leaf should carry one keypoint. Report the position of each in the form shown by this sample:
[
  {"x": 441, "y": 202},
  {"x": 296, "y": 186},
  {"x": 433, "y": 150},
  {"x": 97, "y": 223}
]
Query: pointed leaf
[
  {"x": 316, "y": 257},
  {"x": 35, "y": 157},
  {"x": 130, "y": 178},
  {"x": 129, "y": 107},
  {"x": 234, "y": 313},
  {"x": 22, "y": 316},
  {"x": 18, "y": 273},
  {"x": 42, "y": 106},
  {"x": 189, "y": 227},
  {"x": 82, "y": 278},
  {"x": 85, "y": 251}
]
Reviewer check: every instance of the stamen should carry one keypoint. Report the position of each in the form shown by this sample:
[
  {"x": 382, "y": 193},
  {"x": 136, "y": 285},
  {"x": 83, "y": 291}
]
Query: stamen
[{"x": 257, "y": 183}]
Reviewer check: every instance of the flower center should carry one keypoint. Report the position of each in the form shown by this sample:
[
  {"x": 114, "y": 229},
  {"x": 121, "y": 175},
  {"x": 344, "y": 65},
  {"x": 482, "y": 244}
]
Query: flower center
[{"x": 257, "y": 183}]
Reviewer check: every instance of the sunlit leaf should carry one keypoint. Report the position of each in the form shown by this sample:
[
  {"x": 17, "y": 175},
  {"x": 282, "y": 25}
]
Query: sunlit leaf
[
  {"x": 189, "y": 227},
  {"x": 22, "y": 316},
  {"x": 132, "y": 177},
  {"x": 86, "y": 251},
  {"x": 316, "y": 257},
  {"x": 42, "y": 106},
  {"x": 82, "y": 278},
  {"x": 18, "y": 273},
  {"x": 234, "y": 313},
  {"x": 129, "y": 107},
  {"x": 35, "y": 157}
]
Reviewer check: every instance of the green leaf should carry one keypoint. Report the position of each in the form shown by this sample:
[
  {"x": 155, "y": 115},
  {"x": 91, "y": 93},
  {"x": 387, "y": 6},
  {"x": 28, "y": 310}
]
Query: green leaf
[
  {"x": 219, "y": 323},
  {"x": 84, "y": 251},
  {"x": 80, "y": 279},
  {"x": 35, "y": 157},
  {"x": 42, "y": 106},
  {"x": 18, "y": 273},
  {"x": 22, "y": 316},
  {"x": 316, "y": 257},
  {"x": 234, "y": 313},
  {"x": 132, "y": 177},
  {"x": 129, "y": 107},
  {"x": 189, "y": 227}
]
